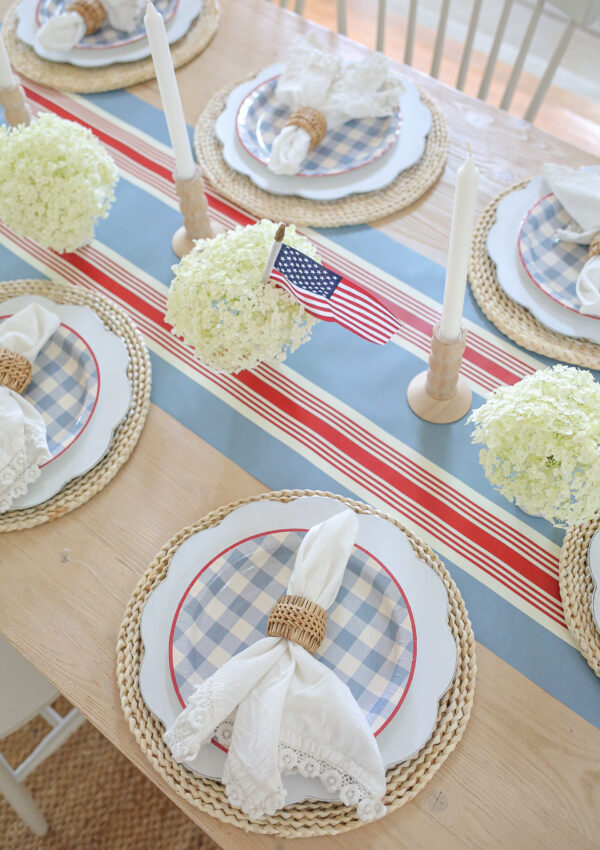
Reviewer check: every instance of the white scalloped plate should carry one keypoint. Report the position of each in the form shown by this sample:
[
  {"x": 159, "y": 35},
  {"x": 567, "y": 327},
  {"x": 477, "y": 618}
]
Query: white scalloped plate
[
  {"x": 113, "y": 398},
  {"x": 410, "y": 727},
  {"x": 594, "y": 568},
  {"x": 502, "y": 245},
  {"x": 405, "y": 152}
]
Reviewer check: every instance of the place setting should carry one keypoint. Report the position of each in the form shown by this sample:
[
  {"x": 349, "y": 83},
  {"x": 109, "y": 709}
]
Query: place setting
[
  {"x": 74, "y": 391},
  {"x": 99, "y": 45},
  {"x": 322, "y": 141},
  {"x": 252, "y": 603},
  {"x": 534, "y": 269}
]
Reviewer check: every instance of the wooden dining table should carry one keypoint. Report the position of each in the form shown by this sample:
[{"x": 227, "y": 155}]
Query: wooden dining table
[{"x": 527, "y": 772}]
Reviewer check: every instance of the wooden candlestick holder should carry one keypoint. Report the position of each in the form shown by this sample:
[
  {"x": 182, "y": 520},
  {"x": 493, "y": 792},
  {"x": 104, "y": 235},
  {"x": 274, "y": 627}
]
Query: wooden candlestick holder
[
  {"x": 440, "y": 394},
  {"x": 194, "y": 209},
  {"x": 12, "y": 100}
]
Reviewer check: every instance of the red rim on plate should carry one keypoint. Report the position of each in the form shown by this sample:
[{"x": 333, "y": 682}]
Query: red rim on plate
[
  {"x": 334, "y": 173},
  {"x": 77, "y": 434},
  {"x": 270, "y": 532},
  {"x": 532, "y": 277}
]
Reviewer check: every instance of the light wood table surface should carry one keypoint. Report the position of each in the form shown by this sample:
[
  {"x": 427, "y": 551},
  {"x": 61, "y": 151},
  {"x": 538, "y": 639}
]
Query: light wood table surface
[{"x": 527, "y": 772}]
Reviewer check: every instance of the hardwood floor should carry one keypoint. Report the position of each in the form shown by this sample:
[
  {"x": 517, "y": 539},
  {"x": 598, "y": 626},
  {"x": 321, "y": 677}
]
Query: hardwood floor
[{"x": 568, "y": 116}]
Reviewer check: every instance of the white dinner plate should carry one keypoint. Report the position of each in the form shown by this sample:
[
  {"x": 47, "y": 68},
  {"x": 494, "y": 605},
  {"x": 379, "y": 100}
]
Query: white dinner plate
[
  {"x": 82, "y": 399},
  {"x": 405, "y": 729},
  {"x": 502, "y": 245},
  {"x": 405, "y": 152},
  {"x": 92, "y": 57},
  {"x": 594, "y": 568}
]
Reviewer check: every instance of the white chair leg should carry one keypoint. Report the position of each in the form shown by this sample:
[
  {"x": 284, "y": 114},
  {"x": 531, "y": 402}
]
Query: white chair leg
[
  {"x": 21, "y": 801},
  {"x": 53, "y": 740}
]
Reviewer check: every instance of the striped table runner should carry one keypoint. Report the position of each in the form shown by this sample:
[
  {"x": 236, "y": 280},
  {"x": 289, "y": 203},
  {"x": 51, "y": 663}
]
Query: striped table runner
[{"x": 334, "y": 416}]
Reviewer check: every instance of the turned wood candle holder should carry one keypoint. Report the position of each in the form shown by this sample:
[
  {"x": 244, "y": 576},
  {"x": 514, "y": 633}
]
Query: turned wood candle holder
[
  {"x": 194, "y": 209},
  {"x": 12, "y": 100},
  {"x": 440, "y": 394}
]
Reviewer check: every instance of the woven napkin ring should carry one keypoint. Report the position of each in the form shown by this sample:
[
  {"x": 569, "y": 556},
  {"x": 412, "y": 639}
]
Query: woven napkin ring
[
  {"x": 15, "y": 370},
  {"x": 298, "y": 619},
  {"x": 595, "y": 245},
  {"x": 92, "y": 12},
  {"x": 311, "y": 120}
]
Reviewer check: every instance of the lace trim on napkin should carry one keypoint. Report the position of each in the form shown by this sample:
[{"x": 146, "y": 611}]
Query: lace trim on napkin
[
  {"x": 292, "y": 758},
  {"x": 17, "y": 475}
]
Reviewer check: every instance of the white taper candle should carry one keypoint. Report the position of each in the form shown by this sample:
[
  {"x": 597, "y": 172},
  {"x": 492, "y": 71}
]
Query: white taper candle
[
  {"x": 463, "y": 216},
  {"x": 169, "y": 93},
  {"x": 6, "y": 78}
]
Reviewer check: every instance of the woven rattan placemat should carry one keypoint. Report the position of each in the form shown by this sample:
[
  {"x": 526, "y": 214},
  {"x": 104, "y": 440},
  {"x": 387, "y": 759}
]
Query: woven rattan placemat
[
  {"x": 80, "y": 490},
  {"x": 576, "y": 589},
  {"x": 407, "y": 188},
  {"x": 58, "y": 75},
  {"x": 509, "y": 317},
  {"x": 311, "y": 817}
]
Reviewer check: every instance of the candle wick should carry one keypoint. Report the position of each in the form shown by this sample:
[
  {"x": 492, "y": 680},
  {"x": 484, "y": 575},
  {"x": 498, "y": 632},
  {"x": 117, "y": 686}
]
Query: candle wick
[{"x": 469, "y": 149}]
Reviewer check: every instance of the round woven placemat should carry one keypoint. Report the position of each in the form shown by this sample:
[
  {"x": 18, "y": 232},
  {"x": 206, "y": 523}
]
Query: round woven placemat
[
  {"x": 61, "y": 75},
  {"x": 576, "y": 589},
  {"x": 310, "y": 817},
  {"x": 509, "y": 317},
  {"x": 80, "y": 490},
  {"x": 407, "y": 188}
]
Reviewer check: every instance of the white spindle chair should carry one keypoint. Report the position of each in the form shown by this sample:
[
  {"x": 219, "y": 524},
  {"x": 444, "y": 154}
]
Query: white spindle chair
[
  {"x": 579, "y": 13},
  {"x": 24, "y": 694}
]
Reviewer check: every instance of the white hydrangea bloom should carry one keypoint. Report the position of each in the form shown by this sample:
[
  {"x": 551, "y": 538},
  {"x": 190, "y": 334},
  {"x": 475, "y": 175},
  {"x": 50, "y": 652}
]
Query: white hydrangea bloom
[
  {"x": 56, "y": 181},
  {"x": 542, "y": 443},
  {"x": 220, "y": 306}
]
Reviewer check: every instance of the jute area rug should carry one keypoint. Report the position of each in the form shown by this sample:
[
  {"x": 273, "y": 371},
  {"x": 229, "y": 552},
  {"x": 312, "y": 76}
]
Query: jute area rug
[{"x": 93, "y": 798}]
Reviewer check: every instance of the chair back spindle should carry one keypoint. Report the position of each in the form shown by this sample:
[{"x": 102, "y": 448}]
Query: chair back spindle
[{"x": 577, "y": 13}]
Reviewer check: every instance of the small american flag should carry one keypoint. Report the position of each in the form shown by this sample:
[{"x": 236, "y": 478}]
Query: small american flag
[{"x": 334, "y": 298}]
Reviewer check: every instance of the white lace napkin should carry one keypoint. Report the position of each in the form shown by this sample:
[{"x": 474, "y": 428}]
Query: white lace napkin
[
  {"x": 293, "y": 713},
  {"x": 64, "y": 31},
  {"x": 578, "y": 190},
  {"x": 23, "y": 446},
  {"x": 340, "y": 90}
]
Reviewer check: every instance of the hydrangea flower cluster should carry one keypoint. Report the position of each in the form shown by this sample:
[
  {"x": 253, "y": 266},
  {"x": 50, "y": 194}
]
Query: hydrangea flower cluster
[
  {"x": 56, "y": 181},
  {"x": 219, "y": 304},
  {"x": 542, "y": 443}
]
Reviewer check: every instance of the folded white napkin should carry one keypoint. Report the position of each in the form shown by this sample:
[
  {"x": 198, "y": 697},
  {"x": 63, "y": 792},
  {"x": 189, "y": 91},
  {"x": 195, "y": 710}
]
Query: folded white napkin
[
  {"x": 578, "y": 190},
  {"x": 340, "y": 90},
  {"x": 23, "y": 446},
  {"x": 293, "y": 713},
  {"x": 64, "y": 31}
]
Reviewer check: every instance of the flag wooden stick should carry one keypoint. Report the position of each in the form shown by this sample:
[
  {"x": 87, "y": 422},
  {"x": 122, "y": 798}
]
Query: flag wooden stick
[{"x": 276, "y": 247}]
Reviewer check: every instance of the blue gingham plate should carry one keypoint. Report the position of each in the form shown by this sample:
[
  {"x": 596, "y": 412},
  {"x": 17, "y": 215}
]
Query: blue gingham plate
[
  {"x": 80, "y": 386},
  {"x": 370, "y": 640},
  {"x": 221, "y": 582},
  {"x": 106, "y": 36},
  {"x": 115, "y": 46},
  {"x": 552, "y": 265},
  {"x": 64, "y": 388},
  {"x": 261, "y": 118}
]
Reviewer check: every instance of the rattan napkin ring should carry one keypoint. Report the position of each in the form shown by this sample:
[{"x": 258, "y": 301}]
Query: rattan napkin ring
[
  {"x": 595, "y": 245},
  {"x": 310, "y": 119},
  {"x": 92, "y": 12},
  {"x": 298, "y": 619},
  {"x": 15, "y": 370}
]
